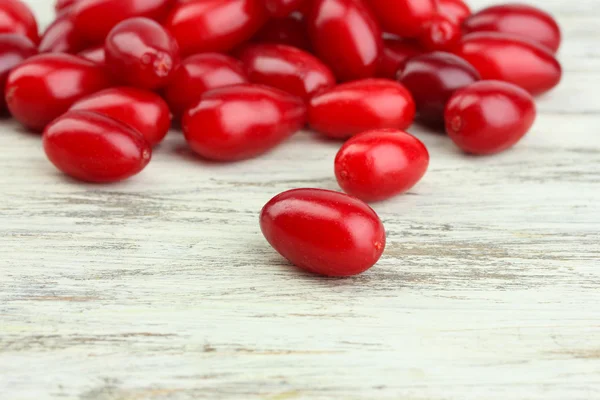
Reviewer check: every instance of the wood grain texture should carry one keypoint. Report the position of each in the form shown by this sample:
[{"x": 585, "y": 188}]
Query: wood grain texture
[{"x": 163, "y": 287}]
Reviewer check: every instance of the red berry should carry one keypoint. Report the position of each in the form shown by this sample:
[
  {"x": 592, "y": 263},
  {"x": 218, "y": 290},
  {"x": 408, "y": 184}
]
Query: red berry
[
  {"x": 287, "y": 68},
  {"x": 61, "y": 5},
  {"x": 283, "y": 8},
  {"x": 14, "y": 48},
  {"x": 61, "y": 37},
  {"x": 94, "y": 54},
  {"x": 457, "y": 10},
  {"x": 95, "y": 18},
  {"x": 505, "y": 57},
  {"x": 144, "y": 111},
  {"x": 44, "y": 86},
  {"x": 489, "y": 116},
  {"x": 346, "y": 36},
  {"x": 243, "y": 121},
  {"x": 94, "y": 148},
  {"x": 379, "y": 164},
  {"x": 403, "y": 17},
  {"x": 519, "y": 19},
  {"x": 432, "y": 78},
  {"x": 354, "y": 107},
  {"x": 395, "y": 54},
  {"x": 440, "y": 33},
  {"x": 290, "y": 31},
  {"x": 198, "y": 74},
  {"x": 16, "y": 17},
  {"x": 323, "y": 232},
  {"x": 141, "y": 53},
  {"x": 202, "y": 26}
]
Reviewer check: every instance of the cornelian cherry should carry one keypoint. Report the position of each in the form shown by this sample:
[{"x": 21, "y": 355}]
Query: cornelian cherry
[
  {"x": 290, "y": 30},
  {"x": 323, "y": 232},
  {"x": 432, "y": 78},
  {"x": 346, "y": 36},
  {"x": 198, "y": 74},
  {"x": 14, "y": 48},
  {"x": 61, "y": 36},
  {"x": 395, "y": 54},
  {"x": 141, "y": 53},
  {"x": 440, "y": 33},
  {"x": 379, "y": 164},
  {"x": 287, "y": 68},
  {"x": 519, "y": 19},
  {"x": 283, "y": 8},
  {"x": 94, "y": 19},
  {"x": 94, "y": 148},
  {"x": 202, "y": 26},
  {"x": 403, "y": 17},
  {"x": 94, "y": 54},
  {"x": 456, "y": 10},
  {"x": 16, "y": 17},
  {"x": 354, "y": 107},
  {"x": 142, "y": 110},
  {"x": 489, "y": 116},
  {"x": 242, "y": 121},
  {"x": 507, "y": 57},
  {"x": 61, "y": 5},
  {"x": 44, "y": 86}
]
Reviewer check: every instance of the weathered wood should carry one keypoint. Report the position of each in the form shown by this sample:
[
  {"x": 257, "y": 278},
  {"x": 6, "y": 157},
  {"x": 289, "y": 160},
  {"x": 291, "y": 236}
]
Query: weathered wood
[{"x": 162, "y": 287}]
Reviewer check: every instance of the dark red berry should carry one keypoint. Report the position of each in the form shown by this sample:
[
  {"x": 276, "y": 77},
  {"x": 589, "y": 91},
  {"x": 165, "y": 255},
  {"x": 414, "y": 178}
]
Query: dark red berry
[
  {"x": 141, "y": 53},
  {"x": 287, "y": 68},
  {"x": 14, "y": 48},
  {"x": 395, "y": 54},
  {"x": 94, "y": 148},
  {"x": 198, "y": 74},
  {"x": 43, "y": 87},
  {"x": 432, "y": 78},
  {"x": 283, "y": 8},
  {"x": 324, "y": 232},
  {"x": 94, "y": 54},
  {"x": 95, "y": 18},
  {"x": 346, "y": 36},
  {"x": 519, "y": 19},
  {"x": 457, "y": 10},
  {"x": 403, "y": 17},
  {"x": 440, "y": 33},
  {"x": 289, "y": 30},
  {"x": 242, "y": 121},
  {"x": 379, "y": 164},
  {"x": 16, "y": 17},
  {"x": 61, "y": 36},
  {"x": 506, "y": 57},
  {"x": 354, "y": 107},
  {"x": 202, "y": 26},
  {"x": 142, "y": 110},
  {"x": 489, "y": 116}
]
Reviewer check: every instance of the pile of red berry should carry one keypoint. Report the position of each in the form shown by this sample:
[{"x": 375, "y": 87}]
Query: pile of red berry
[{"x": 107, "y": 77}]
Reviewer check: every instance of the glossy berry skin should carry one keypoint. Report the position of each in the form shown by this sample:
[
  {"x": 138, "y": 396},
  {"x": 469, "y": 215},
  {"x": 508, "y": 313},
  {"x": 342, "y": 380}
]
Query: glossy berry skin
[
  {"x": 61, "y": 36},
  {"x": 14, "y": 48},
  {"x": 95, "y": 18},
  {"x": 44, "y": 86},
  {"x": 379, "y": 164},
  {"x": 61, "y": 5},
  {"x": 346, "y": 36},
  {"x": 192, "y": 23},
  {"x": 504, "y": 57},
  {"x": 283, "y": 8},
  {"x": 440, "y": 33},
  {"x": 396, "y": 52},
  {"x": 432, "y": 78},
  {"x": 323, "y": 232},
  {"x": 456, "y": 10},
  {"x": 289, "y": 30},
  {"x": 94, "y": 148},
  {"x": 287, "y": 68},
  {"x": 518, "y": 19},
  {"x": 403, "y": 17},
  {"x": 16, "y": 17},
  {"x": 239, "y": 122},
  {"x": 198, "y": 74},
  {"x": 489, "y": 116},
  {"x": 144, "y": 111},
  {"x": 94, "y": 54},
  {"x": 141, "y": 53},
  {"x": 354, "y": 107}
]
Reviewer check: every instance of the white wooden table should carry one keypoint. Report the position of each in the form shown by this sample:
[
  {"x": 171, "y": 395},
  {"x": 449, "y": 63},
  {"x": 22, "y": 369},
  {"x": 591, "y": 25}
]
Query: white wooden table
[{"x": 163, "y": 287}]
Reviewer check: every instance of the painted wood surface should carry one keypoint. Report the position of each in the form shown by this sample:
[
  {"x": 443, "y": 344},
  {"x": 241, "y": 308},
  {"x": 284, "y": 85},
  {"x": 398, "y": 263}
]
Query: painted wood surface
[{"x": 163, "y": 287}]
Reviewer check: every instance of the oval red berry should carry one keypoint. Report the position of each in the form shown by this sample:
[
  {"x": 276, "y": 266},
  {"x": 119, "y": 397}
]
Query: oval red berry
[
  {"x": 403, "y": 17},
  {"x": 94, "y": 148},
  {"x": 16, "y": 17},
  {"x": 14, "y": 48},
  {"x": 324, "y": 232}
]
